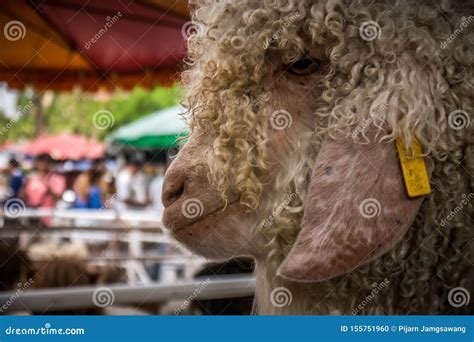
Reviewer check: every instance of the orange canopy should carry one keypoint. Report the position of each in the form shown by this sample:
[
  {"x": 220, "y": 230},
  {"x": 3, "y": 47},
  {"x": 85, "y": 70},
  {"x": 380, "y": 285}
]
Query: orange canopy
[
  {"x": 57, "y": 44},
  {"x": 65, "y": 147}
]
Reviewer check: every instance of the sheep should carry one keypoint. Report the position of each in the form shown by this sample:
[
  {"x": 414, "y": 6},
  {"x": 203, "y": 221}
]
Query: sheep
[
  {"x": 15, "y": 268},
  {"x": 57, "y": 265},
  {"x": 296, "y": 112}
]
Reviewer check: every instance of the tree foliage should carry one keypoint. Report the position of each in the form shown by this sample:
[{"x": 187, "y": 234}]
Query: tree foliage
[{"x": 73, "y": 112}]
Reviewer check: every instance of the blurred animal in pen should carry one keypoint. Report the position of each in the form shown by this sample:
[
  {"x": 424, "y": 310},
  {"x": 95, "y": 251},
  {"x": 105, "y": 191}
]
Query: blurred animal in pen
[
  {"x": 333, "y": 142},
  {"x": 49, "y": 265},
  {"x": 15, "y": 267},
  {"x": 66, "y": 266}
]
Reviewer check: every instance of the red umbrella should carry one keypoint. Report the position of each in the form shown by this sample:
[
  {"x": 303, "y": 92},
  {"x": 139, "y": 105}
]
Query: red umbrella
[
  {"x": 65, "y": 147},
  {"x": 11, "y": 146}
]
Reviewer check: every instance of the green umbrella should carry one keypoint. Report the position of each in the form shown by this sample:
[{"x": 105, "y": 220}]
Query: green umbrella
[{"x": 160, "y": 129}]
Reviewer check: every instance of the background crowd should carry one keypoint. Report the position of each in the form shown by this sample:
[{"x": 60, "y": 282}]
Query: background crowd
[{"x": 122, "y": 184}]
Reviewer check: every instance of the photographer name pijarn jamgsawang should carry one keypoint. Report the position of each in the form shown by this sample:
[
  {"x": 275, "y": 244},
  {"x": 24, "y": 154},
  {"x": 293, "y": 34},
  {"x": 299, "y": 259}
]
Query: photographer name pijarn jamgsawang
[{"x": 430, "y": 329}]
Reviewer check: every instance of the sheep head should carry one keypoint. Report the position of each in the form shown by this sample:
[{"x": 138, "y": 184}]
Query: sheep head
[{"x": 295, "y": 106}]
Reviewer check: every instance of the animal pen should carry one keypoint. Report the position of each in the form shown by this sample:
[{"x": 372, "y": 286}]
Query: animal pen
[{"x": 106, "y": 228}]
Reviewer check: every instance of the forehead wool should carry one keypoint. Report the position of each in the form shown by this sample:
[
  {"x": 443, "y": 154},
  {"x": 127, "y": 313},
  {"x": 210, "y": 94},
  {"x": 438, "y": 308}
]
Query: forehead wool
[{"x": 371, "y": 64}]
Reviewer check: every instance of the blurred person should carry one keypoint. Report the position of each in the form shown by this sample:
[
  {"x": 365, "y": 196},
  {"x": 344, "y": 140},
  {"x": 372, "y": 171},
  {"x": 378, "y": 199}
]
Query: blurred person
[
  {"x": 109, "y": 193},
  {"x": 132, "y": 185},
  {"x": 90, "y": 188},
  {"x": 45, "y": 187},
  {"x": 16, "y": 178},
  {"x": 5, "y": 192},
  {"x": 154, "y": 191}
]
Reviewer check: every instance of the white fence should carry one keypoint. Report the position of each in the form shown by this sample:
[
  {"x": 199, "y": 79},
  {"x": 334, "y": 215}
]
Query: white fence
[
  {"x": 83, "y": 297},
  {"x": 132, "y": 227}
]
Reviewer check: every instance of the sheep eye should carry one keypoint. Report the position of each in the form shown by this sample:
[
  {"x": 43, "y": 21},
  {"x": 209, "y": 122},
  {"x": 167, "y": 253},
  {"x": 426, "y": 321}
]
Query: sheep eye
[{"x": 304, "y": 66}]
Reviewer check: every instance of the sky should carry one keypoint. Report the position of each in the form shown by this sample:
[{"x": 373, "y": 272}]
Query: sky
[{"x": 8, "y": 100}]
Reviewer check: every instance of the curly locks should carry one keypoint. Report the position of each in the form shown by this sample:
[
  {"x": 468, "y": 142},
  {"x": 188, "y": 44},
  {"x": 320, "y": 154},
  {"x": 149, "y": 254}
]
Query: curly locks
[{"x": 410, "y": 61}]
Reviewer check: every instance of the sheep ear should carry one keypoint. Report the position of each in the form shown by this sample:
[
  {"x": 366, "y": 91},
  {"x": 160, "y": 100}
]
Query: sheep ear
[{"x": 357, "y": 208}]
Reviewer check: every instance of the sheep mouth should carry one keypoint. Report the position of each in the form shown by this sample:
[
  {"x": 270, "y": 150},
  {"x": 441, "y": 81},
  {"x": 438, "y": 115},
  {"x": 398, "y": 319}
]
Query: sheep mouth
[{"x": 173, "y": 227}]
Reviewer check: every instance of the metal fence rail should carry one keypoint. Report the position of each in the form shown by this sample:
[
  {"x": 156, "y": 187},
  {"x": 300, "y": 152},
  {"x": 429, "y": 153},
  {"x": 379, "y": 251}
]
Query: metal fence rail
[
  {"x": 17, "y": 227},
  {"x": 136, "y": 216},
  {"x": 94, "y": 227},
  {"x": 83, "y": 297}
]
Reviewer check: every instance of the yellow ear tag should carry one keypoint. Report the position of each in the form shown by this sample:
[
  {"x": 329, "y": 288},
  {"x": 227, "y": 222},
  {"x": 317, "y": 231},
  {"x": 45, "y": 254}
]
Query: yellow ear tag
[{"x": 415, "y": 172}]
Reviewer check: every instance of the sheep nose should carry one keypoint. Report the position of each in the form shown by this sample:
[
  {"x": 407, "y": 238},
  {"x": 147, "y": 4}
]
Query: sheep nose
[{"x": 173, "y": 186}]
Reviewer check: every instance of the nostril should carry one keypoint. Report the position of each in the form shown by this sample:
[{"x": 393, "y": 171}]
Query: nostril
[
  {"x": 172, "y": 192},
  {"x": 174, "y": 196}
]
